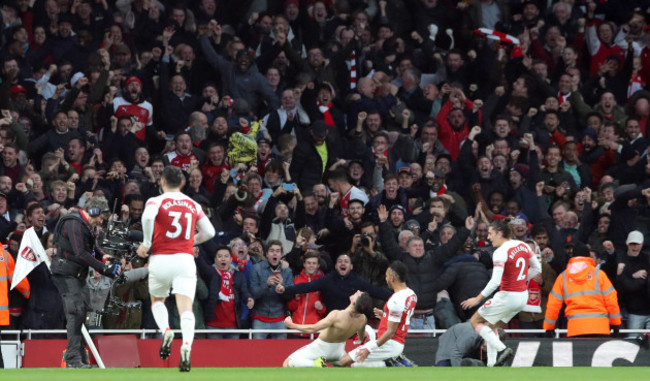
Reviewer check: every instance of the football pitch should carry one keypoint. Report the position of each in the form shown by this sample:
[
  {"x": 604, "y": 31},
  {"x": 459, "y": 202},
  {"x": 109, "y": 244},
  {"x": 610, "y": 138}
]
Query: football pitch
[{"x": 338, "y": 374}]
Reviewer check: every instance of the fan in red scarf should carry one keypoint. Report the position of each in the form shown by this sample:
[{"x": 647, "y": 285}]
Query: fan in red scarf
[
  {"x": 240, "y": 257},
  {"x": 232, "y": 285}
]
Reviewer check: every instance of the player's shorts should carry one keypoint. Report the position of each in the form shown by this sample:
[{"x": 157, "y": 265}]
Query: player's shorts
[
  {"x": 319, "y": 348},
  {"x": 503, "y": 306},
  {"x": 390, "y": 349},
  {"x": 172, "y": 271}
]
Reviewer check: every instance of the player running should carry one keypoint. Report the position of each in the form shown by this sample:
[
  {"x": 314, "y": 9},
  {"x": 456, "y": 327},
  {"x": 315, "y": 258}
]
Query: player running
[
  {"x": 511, "y": 259},
  {"x": 393, "y": 327},
  {"x": 336, "y": 328},
  {"x": 171, "y": 220}
]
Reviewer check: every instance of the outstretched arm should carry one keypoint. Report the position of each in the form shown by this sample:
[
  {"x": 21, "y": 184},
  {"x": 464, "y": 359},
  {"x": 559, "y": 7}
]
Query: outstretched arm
[{"x": 312, "y": 328}]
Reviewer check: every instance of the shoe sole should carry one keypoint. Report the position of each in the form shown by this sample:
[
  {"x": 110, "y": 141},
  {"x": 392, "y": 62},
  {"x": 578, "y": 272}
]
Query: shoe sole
[
  {"x": 504, "y": 357},
  {"x": 185, "y": 364},
  {"x": 166, "y": 346}
]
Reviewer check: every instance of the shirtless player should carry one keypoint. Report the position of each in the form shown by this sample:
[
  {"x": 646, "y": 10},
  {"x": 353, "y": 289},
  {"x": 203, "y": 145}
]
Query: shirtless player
[{"x": 336, "y": 327}]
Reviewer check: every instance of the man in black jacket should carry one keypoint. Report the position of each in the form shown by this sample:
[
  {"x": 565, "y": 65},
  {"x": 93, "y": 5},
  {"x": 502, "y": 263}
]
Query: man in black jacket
[
  {"x": 423, "y": 266},
  {"x": 313, "y": 158},
  {"x": 75, "y": 244},
  {"x": 337, "y": 286}
]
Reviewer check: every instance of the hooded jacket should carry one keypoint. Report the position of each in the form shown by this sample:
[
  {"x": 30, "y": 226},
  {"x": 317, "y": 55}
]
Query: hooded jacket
[
  {"x": 591, "y": 300},
  {"x": 302, "y": 306}
]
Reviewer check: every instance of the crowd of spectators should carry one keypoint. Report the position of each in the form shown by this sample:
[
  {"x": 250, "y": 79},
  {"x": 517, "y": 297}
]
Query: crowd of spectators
[{"x": 325, "y": 138}]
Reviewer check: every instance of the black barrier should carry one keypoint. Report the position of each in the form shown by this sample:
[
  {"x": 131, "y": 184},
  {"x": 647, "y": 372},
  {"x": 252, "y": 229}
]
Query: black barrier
[{"x": 549, "y": 352}]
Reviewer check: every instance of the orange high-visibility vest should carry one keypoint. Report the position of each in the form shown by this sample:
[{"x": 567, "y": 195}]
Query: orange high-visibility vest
[
  {"x": 6, "y": 275},
  {"x": 590, "y": 298}
]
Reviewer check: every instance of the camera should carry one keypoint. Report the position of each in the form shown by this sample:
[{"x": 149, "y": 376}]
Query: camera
[
  {"x": 365, "y": 239},
  {"x": 120, "y": 242}
]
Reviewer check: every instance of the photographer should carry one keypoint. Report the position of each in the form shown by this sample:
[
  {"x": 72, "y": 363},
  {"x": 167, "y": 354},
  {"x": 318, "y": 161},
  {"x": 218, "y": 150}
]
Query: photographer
[
  {"x": 276, "y": 223},
  {"x": 367, "y": 257},
  {"x": 75, "y": 243}
]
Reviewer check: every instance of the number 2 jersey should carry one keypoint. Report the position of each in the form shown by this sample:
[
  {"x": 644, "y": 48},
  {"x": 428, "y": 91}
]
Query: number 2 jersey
[
  {"x": 171, "y": 219},
  {"x": 511, "y": 267},
  {"x": 399, "y": 309}
]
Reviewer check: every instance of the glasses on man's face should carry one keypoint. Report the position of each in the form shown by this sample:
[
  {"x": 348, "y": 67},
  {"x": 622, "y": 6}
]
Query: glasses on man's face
[
  {"x": 413, "y": 226},
  {"x": 241, "y": 244}
]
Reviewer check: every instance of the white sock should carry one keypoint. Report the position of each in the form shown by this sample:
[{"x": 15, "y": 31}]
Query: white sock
[
  {"x": 160, "y": 315},
  {"x": 369, "y": 364},
  {"x": 491, "y": 355},
  {"x": 490, "y": 337},
  {"x": 301, "y": 363},
  {"x": 187, "y": 327}
]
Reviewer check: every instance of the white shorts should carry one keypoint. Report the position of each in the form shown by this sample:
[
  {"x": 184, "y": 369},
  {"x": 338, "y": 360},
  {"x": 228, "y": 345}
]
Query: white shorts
[
  {"x": 390, "y": 349},
  {"x": 503, "y": 306},
  {"x": 319, "y": 348},
  {"x": 172, "y": 271}
]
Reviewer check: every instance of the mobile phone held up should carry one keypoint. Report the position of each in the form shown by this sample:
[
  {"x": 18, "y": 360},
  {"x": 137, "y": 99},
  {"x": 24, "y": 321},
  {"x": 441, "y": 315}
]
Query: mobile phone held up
[{"x": 289, "y": 187}]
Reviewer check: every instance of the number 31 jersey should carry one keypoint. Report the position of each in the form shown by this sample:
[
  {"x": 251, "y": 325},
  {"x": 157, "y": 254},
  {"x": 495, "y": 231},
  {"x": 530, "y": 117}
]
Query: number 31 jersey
[
  {"x": 174, "y": 224},
  {"x": 514, "y": 256}
]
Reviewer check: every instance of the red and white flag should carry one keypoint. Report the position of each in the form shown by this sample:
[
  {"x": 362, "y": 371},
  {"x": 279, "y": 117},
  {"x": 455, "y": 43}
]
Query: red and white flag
[
  {"x": 492, "y": 34},
  {"x": 30, "y": 255}
]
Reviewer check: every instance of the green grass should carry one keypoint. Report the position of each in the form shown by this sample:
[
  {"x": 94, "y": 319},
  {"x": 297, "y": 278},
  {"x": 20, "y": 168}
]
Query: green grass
[{"x": 279, "y": 374}]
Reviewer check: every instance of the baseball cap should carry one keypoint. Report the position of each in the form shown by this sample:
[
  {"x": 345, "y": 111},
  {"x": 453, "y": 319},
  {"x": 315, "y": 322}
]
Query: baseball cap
[
  {"x": 518, "y": 221},
  {"x": 319, "y": 129},
  {"x": 263, "y": 140},
  {"x": 3, "y": 195},
  {"x": 75, "y": 78},
  {"x": 133, "y": 78},
  {"x": 15, "y": 89},
  {"x": 634, "y": 237},
  {"x": 356, "y": 200},
  {"x": 520, "y": 168},
  {"x": 394, "y": 207},
  {"x": 444, "y": 156},
  {"x": 244, "y": 53}
]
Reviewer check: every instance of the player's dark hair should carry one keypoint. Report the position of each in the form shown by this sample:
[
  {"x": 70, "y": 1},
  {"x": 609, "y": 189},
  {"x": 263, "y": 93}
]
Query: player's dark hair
[
  {"x": 173, "y": 176},
  {"x": 399, "y": 269},
  {"x": 502, "y": 226},
  {"x": 363, "y": 304},
  {"x": 339, "y": 175}
]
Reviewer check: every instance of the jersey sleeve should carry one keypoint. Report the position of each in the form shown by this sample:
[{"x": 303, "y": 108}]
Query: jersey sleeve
[
  {"x": 534, "y": 267},
  {"x": 499, "y": 261},
  {"x": 206, "y": 230},
  {"x": 148, "y": 218},
  {"x": 395, "y": 307}
]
